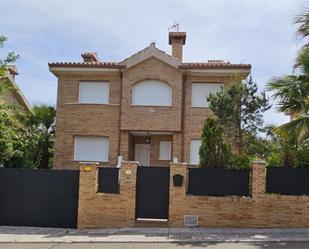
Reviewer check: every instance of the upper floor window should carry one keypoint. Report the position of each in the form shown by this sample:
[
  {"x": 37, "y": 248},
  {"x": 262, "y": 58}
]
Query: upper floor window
[
  {"x": 152, "y": 92},
  {"x": 93, "y": 92},
  {"x": 201, "y": 91}
]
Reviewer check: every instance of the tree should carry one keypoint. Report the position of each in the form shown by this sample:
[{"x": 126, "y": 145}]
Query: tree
[
  {"x": 8, "y": 126},
  {"x": 239, "y": 108},
  {"x": 213, "y": 151},
  {"x": 39, "y": 125},
  {"x": 292, "y": 93}
]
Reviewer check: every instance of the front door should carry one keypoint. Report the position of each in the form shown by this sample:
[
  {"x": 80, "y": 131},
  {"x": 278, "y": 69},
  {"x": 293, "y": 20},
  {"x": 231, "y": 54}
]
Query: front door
[{"x": 142, "y": 154}]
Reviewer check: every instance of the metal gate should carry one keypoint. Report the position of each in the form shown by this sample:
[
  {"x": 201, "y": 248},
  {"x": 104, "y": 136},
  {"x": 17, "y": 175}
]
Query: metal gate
[
  {"x": 44, "y": 198},
  {"x": 152, "y": 192}
]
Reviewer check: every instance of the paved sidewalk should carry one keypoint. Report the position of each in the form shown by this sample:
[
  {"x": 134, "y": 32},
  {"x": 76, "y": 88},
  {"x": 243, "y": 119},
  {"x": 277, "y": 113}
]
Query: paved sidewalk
[{"x": 57, "y": 235}]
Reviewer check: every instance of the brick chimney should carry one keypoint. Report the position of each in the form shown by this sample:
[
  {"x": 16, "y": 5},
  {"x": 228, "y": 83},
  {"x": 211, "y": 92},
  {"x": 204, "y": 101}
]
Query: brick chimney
[
  {"x": 90, "y": 57},
  {"x": 177, "y": 40}
]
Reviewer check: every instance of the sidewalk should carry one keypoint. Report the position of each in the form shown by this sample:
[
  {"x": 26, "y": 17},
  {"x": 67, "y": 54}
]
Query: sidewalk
[{"x": 31, "y": 234}]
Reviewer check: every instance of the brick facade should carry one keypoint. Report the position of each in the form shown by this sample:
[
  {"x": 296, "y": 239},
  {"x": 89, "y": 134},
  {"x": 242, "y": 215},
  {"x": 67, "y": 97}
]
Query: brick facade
[
  {"x": 98, "y": 210},
  {"x": 119, "y": 119}
]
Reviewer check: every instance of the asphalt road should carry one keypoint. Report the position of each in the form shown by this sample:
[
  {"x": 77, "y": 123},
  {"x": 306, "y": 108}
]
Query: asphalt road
[{"x": 268, "y": 245}]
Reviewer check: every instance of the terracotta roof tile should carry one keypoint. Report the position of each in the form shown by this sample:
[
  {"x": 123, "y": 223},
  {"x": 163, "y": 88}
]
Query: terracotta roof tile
[
  {"x": 213, "y": 64},
  {"x": 87, "y": 64}
]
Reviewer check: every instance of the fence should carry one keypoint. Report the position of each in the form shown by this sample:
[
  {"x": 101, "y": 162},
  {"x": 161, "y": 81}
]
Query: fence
[
  {"x": 218, "y": 182},
  {"x": 108, "y": 180},
  {"x": 287, "y": 181},
  {"x": 45, "y": 198}
]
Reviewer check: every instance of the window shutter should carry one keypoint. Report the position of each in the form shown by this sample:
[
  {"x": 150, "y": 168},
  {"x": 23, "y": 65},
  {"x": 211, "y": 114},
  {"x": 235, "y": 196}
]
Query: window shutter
[
  {"x": 201, "y": 91},
  {"x": 165, "y": 150},
  {"x": 194, "y": 151},
  {"x": 90, "y": 148},
  {"x": 94, "y": 92},
  {"x": 152, "y": 92}
]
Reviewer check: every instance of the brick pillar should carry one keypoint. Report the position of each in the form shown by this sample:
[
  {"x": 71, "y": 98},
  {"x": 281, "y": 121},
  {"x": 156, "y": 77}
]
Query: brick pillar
[
  {"x": 258, "y": 179},
  {"x": 87, "y": 191},
  {"x": 177, "y": 195},
  {"x": 128, "y": 175}
]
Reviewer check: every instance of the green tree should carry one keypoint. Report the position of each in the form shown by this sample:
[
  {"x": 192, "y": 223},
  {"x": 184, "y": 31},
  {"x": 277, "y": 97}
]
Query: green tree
[
  {"x": 292, "y": 93},
  {"x": 239, "y": 108},
  {"x": 39, "y": 125},
  {"x": 213, "y": 151}
]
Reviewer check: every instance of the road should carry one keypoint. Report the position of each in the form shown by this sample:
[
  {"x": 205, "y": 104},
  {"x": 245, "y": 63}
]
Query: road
[{"x": 253, "y": 245}]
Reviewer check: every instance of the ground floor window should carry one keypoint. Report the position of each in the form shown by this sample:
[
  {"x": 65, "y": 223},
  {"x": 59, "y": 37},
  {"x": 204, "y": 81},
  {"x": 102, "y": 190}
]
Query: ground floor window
[
  {"x": 165, "y": 150},
  {"x": 91, "y": 148},
  {"x": 194, "y": 151}
]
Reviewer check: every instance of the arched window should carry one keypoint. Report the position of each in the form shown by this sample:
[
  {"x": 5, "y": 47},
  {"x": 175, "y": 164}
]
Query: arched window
[{"x": 152, "y": 92}]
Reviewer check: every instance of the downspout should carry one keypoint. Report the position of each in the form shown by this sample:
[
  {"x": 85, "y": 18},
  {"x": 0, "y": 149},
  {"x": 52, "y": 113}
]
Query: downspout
[
  {"x": 120, "y": 110},
  {"x": 183, "y": 113}
]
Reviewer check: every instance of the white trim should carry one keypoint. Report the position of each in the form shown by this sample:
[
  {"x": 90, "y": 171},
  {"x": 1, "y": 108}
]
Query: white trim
[
  {"x": 82, "y": 69},
  {"x": 218, "y": 72}
]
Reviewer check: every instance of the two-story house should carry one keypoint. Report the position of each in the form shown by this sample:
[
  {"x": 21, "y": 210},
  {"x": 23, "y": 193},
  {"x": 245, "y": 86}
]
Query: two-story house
[{"x": 150, "y": 107}]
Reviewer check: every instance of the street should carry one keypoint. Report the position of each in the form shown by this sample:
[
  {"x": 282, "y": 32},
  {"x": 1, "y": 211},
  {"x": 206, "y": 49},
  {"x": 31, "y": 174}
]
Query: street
[{"x": 232, "y": 245}]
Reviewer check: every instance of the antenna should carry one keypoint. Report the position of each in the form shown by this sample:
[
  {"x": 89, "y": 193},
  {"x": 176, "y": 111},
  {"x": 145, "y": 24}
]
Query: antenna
[{"x": 174, "y": 27}]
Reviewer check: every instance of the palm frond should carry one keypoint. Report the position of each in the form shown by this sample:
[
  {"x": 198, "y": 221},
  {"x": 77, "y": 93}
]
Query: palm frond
[{"x": 297, "y": 128}]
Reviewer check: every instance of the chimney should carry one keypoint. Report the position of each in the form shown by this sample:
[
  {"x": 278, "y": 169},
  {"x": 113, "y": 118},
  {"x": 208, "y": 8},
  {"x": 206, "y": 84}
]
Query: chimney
[
  {"x": 90, "y": 57},
  {"x": 177, "y": 40}
]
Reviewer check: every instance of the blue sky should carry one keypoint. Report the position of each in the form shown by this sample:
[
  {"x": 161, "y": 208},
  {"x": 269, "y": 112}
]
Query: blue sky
[{"x": 240, "y": 31}]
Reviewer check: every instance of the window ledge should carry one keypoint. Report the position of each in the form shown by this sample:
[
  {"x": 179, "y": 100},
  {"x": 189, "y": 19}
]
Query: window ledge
[
  {"x": 89, "y": 161},
  {"x": 164, "y": 106},
  {"x": 76, "y": 103}
]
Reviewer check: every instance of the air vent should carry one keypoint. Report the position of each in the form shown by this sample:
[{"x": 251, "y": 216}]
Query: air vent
[{"x": 191, "y": 220}]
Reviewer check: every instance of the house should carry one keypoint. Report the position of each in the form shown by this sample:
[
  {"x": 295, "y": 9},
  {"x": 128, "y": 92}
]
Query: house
[
  {"x": 150, "y": 107},
  {"x": 14, "y": 96}
]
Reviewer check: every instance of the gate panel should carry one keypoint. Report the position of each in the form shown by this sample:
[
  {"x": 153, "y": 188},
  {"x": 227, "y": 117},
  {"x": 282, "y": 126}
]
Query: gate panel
[
  {"x": 152, "y": 192},
  {"x": 45, "y": 198}
]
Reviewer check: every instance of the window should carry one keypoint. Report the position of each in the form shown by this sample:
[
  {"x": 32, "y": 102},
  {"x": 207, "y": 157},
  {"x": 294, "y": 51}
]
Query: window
[
  {"x": 94, "y": 92},
  {"x": 201, "y": 91},
  {"x": 194, "y": 151},
  {"x": 165, "y": 150},
  {"x": 91, "y": 148},
  {"x": 152, "y": 92}
]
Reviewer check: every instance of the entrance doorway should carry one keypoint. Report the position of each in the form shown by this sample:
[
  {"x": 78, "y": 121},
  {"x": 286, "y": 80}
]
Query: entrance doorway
[{"x": 142, "y": 154}]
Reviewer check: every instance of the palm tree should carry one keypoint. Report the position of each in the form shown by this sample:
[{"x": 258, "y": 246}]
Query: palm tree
[
  {"x": 41, "y": 121},
  {"x": 292, "y": 93}
]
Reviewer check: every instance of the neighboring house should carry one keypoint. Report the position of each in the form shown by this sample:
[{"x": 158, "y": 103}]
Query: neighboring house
[
  {"x": 149, "y": 107},
  {"x": 14, "y": 96}
]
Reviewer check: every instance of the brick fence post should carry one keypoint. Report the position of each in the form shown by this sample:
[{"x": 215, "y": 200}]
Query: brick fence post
[
  {"x": 87, "y": 189},
  {"x": 177, "y": 195},
  {"x": 258, "y": 179}
]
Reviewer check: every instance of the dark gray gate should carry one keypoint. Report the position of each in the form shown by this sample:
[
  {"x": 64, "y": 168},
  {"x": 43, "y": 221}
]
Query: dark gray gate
[
  {"x": 44, "y": 198},
  {"x": 152, "y": 192}
]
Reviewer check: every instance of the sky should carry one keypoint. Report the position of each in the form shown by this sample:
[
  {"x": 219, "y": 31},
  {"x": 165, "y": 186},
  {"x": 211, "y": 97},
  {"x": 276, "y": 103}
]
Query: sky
[{"x": 260, "y": 32}]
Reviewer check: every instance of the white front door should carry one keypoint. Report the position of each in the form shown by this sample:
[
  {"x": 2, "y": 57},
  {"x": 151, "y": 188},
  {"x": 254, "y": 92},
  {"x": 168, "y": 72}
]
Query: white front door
[{"x": 142, "y": 154}]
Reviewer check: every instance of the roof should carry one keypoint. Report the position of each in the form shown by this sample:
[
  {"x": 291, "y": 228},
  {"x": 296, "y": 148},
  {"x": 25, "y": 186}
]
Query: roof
[
  {"x": 18, "y": 94},
  {"x": 87, "y": 64},
  {"x": 213, "y": 64},
  {"x": 151, "y": 51}
]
